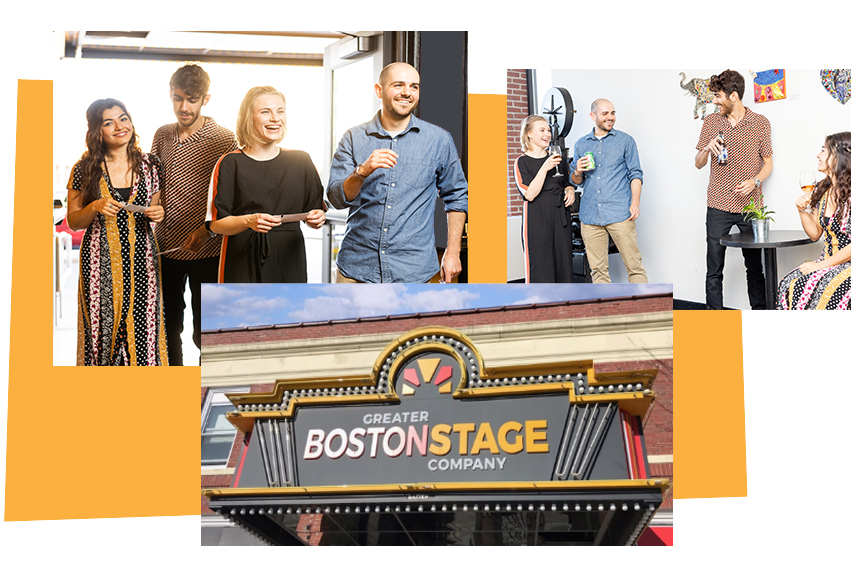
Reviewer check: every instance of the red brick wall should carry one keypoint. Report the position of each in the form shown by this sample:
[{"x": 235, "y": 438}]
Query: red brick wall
[
  {"x": 518, "y": 109},
  {"x": 664, "y": 470},
  {"x": 658, "y": 424},
  {"x": 453, "y": 319},
  {"x": 221, "y": 481}
]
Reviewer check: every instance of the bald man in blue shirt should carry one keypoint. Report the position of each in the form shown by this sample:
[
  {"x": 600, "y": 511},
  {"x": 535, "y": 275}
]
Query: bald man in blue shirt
[{"x": 611, "y": 194}]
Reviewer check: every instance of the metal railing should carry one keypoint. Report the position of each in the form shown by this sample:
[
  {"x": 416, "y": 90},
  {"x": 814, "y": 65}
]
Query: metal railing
[
  {"x": 62, "y": 264},
  {"x": 331, "y": 233}
]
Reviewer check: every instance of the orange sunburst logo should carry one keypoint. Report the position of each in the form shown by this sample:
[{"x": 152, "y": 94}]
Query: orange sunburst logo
[{"x": 428, "y": 368}]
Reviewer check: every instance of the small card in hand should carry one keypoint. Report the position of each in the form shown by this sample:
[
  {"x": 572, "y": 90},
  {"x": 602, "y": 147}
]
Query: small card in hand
[
  {"x": 134, "y": 208},
  {"x": 285, "y": 218}
]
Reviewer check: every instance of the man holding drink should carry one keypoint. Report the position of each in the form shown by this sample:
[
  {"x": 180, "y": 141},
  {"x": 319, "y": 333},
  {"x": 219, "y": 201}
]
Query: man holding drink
[
  {"x": 739, "y": 142},
  {"x": 388, "y": 172},
  {"x": 607, "y": 164}
]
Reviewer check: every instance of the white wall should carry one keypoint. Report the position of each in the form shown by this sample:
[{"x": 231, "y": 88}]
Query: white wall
[{"x": 652, "y": 108}]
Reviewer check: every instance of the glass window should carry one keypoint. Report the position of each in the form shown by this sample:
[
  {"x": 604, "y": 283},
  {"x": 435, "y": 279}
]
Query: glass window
[{"x": 216, "y": 433}]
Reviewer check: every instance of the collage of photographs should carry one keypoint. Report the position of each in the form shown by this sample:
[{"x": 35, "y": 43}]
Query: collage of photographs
[{"x": 221, "y": 201}]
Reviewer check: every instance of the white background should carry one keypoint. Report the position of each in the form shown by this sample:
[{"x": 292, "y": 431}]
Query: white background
[{"x": 800, "y": 368}]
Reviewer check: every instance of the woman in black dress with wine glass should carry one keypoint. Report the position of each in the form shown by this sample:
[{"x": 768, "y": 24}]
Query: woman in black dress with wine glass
[{"x": 546, "y": 193}]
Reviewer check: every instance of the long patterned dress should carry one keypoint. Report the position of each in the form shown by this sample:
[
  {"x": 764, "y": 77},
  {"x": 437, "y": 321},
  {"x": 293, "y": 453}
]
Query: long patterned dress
[
  {"x": 825, "y": 289},
  {"x": 120, "y": 318}
]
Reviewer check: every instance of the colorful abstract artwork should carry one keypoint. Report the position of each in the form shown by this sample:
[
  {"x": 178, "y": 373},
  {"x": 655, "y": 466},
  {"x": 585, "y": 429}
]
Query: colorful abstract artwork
[
  {"x": 769, "y": 85},
  {"x": 838, "y": 83}
]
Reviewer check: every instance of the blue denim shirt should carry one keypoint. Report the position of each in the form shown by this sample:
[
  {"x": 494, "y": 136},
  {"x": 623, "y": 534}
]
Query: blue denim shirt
[
  {"x": 606, "y": 195},
  {"x": 390, "y": 235}
]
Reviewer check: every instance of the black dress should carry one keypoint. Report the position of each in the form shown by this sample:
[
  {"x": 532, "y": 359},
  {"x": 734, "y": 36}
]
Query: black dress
[
  {"x": 546, "y": 225},
  {"x": 287, "y": 184}
]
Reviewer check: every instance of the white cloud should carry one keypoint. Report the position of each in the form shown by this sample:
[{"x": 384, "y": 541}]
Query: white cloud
[
  {"x": 542, "y": 293},
  {"x": 362, "y": 301},
  {"x": 242, "y": 303}
]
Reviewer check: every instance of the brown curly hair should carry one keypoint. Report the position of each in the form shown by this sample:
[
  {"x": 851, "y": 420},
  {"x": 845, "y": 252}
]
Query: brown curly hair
[
  {"x": 839, "y": 146},
  {"x": 728, "y": 82},
  {"x": 92, "y": 159},
  {"x": 192, "y": 79}
]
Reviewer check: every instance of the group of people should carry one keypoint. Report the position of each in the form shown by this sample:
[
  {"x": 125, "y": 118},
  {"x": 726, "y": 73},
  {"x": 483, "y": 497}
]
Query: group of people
[
  {"x": 226, "y": 208},
  {"x": 612, "y": 180}
]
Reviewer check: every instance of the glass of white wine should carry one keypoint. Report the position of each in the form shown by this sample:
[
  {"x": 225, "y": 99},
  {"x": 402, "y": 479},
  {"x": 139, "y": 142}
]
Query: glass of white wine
[
  {"x": 555, "y": 150},
  {"x": 807, "y": 182}
]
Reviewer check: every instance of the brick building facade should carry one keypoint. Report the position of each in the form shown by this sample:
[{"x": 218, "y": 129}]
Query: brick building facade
[
  {"x": 518, "y": 110},
  {"x": 624, "y": 334}
]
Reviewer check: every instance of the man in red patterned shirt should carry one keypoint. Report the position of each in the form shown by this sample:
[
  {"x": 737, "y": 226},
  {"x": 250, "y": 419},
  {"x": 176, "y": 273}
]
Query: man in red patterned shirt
[
  {"x": 731, "y": 185},
  {"x": 188, "y": 150}
]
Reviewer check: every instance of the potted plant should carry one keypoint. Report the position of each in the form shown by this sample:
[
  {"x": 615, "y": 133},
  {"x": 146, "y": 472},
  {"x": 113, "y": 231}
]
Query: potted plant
[{"x": 758, "y": 215}]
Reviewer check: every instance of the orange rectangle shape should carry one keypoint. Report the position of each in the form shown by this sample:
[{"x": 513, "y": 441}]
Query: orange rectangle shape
[
  {"x": 708, "y": 423},
  {"x": 83, "y": 442},
  {"x": 487, "y": 188}
]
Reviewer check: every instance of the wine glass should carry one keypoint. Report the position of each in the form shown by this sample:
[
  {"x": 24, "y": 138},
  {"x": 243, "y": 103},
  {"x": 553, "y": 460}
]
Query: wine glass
[
  {"x": 555, "y": 150},
  {"x": 807, "y": 182}
]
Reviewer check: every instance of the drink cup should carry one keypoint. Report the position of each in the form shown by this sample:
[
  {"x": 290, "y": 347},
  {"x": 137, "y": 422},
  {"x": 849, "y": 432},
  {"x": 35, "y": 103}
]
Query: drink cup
[{"x": 591, "y": 157}]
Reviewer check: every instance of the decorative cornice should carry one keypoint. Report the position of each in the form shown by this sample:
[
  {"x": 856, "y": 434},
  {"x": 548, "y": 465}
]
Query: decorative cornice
[{"x": 614, "y": 338}]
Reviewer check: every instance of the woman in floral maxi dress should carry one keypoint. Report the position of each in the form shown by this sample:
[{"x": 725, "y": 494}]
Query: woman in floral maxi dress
[
  {"x": 120, "y": 319},
  {"x": 825, "y": 284}
]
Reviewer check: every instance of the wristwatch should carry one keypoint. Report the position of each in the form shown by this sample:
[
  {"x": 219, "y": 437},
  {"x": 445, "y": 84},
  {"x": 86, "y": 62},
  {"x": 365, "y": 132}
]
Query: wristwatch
[
  {"x": 757, "y": 182},
  {"x": 358, "y": 174}
]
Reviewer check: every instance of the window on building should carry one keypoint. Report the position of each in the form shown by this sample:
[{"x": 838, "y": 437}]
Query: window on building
[{"x": 216, "y": 433}]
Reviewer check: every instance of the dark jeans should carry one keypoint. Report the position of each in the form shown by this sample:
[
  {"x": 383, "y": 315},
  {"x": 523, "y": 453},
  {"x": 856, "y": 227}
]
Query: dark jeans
[
  {"x": 174, "y": 275},
  {"x": 718, "y": 224}
]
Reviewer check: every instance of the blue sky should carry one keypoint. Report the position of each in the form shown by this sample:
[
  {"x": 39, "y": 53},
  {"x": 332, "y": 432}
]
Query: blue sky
[{"x": 242, "y": 305}]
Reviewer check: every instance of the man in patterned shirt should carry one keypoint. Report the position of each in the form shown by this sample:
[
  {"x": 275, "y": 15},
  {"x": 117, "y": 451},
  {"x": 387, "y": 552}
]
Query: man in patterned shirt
[
  {"x": 188, "y": 150},
  {"x": 732, "y": 185}
]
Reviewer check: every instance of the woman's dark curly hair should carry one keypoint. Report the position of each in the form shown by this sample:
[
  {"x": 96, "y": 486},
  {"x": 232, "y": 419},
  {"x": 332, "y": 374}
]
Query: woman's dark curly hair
[
  {"x": 92, "y": 159},
  {"x": 839, "y": 146}
]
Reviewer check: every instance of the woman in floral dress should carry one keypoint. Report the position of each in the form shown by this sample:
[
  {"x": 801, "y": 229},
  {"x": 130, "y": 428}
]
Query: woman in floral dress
[
  {"x": 120, "y": 320},
  {"x": 825, "y": 284}
]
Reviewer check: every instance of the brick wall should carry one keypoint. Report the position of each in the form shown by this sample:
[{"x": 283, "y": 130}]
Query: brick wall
[
  {"x": 664, "y": 470},
  {"x": 518, "y": 109},
  {"x": 453, "y": 319},
  {"x": 658, "y": 426},
  {"x": 221, "y": 481}
]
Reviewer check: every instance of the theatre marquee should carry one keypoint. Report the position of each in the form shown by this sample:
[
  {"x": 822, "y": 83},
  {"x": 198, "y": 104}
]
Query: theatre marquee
[{"x": 433, "y": 448}]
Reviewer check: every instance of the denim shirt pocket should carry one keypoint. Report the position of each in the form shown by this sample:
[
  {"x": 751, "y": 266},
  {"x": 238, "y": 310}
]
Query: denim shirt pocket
[{"x": 418, "y": 172}]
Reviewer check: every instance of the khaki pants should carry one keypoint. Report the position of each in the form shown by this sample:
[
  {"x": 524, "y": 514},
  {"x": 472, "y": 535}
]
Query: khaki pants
[
  {"x": 340, "y": 278},
  {"x": 624, "y": 234}
]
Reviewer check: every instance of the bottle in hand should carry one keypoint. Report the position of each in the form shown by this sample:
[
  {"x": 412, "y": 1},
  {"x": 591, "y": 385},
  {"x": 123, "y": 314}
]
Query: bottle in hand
[{"x": 723, "y": 157}]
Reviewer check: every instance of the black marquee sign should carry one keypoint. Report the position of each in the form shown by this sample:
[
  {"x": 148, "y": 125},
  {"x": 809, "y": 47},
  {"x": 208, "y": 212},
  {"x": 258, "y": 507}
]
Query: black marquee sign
[{"x": 430, "y": 420}]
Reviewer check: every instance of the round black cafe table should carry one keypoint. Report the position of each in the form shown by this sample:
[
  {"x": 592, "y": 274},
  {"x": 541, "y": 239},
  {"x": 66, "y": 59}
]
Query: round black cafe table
[{"x": 776, "y": 239}]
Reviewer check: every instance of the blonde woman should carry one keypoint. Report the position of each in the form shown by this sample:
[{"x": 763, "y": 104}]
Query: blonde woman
[
  {"x": 546, "y": 222},
  {"x": 253, "y": 187}
]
